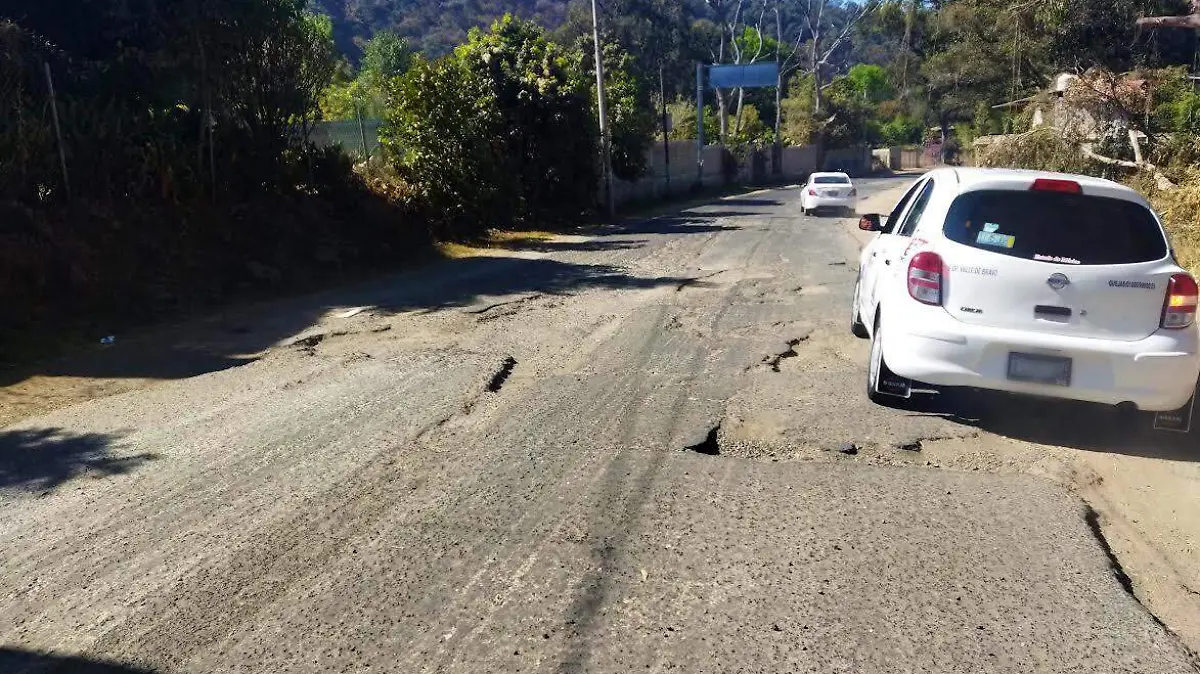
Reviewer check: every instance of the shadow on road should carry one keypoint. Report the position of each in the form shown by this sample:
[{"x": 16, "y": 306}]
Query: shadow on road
[
  {"x": 698, "y": 223},
  {"x": 41, "y": 460},
  {"x": 239, "y": 336},
  {"x": 1089, "y": 427},
  {"x": 17, "y": 661},
  {"x": 749, "y": 202}
]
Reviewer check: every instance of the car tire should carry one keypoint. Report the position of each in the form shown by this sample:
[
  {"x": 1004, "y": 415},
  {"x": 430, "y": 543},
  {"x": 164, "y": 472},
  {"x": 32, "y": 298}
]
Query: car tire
[
  {"x": 857, "y": 327},
  {"x": 877, "y": 369}
]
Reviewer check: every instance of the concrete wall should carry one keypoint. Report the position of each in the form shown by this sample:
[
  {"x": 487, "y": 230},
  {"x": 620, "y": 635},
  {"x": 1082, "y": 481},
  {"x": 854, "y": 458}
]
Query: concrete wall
[
  {"x": 901, "y": 158},
  {"x": 797, "y": 163}
]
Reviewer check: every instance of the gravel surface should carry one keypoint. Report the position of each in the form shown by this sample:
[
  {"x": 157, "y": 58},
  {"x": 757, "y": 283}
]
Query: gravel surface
[{"x": 641, "y": 447}]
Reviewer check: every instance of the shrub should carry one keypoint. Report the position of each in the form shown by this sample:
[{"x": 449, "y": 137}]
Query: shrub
[{"x": 497, "y": 133}]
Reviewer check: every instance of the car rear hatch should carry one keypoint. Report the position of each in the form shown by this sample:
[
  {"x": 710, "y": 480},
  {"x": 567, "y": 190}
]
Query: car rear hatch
[
  {"x": 1058, "y": 260},
  {"x": 832, "y": 186}
]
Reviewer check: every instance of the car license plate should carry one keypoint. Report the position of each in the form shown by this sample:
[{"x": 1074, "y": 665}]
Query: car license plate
[
  {"x": 1039, "y": 369},
  {"x": 830, "y": 193}
]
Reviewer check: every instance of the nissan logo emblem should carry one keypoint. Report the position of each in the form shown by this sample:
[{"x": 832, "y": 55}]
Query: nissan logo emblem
[{"x": 1058, "y": 281}]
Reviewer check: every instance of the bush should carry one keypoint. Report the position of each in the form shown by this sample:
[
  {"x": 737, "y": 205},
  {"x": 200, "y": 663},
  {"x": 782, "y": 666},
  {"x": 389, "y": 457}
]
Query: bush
[{"x": 497, "y": 133}]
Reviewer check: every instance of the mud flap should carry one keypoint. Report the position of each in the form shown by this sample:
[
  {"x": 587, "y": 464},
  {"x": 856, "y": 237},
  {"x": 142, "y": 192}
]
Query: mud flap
[
  {"x": 895, "y": 385},
  {"x": 1178, "y": 421}
]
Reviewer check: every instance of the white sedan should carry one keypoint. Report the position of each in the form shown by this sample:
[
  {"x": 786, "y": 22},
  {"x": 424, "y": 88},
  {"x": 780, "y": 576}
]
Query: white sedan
[
  {"x": 1034, "y": 283},
  {"x": 828, "y": 190}
]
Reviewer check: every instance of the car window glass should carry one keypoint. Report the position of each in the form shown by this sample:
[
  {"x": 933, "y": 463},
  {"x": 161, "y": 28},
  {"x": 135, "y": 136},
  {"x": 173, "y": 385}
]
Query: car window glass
[
  {"x": 894, "y": 217},
  {"x": 913, "y": 217},
  {"x": 831, "y": 180},
  {"x": 1056, "y": 227}
]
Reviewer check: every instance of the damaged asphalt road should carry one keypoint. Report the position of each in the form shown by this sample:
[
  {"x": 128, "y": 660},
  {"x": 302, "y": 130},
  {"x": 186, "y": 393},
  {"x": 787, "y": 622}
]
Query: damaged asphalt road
[{"x": 615, "y": 451}]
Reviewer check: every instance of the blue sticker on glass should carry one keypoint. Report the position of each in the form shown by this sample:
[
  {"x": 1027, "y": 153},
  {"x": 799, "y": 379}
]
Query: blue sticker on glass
[{"x": 995, "y": 239}]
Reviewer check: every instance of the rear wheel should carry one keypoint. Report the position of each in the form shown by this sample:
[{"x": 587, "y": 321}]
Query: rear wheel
[
  {"x": 857, "y": 327},
  {"x": 880, "y": 376}
]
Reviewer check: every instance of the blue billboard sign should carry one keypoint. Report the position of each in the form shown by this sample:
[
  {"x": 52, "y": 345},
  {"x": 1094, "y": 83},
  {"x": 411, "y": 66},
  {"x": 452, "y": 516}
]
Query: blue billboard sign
[{"x": 743, "y": 76}]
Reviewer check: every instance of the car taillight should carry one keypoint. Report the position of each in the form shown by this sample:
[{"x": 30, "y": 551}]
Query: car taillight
[
  {"x": 854, "y": 191},
  {"x": 1179, "y": 311},
  {"x": 1055, "y": 185},
  {"x": 926, "y": 274},
  {"x": 812, "y": 192}
]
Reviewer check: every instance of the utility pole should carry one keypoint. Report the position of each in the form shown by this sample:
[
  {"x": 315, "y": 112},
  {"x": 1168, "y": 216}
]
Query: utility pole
[
  {"x": 662, "y": 95},
  {"x": 699, "y": 125},
  {"x": 603, "y": 105}
]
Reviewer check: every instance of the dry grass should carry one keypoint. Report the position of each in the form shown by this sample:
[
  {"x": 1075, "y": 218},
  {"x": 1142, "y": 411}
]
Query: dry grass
[
  {"x": 1180, "y": 211},
  {"x": 494, "y": 240}
]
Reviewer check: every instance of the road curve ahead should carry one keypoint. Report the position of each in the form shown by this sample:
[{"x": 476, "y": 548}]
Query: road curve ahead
[{"x": 639, "y": 448}]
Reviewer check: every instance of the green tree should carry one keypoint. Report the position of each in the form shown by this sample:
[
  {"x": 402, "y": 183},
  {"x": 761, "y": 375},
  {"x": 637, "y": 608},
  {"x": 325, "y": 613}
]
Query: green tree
[
  {"x": 631, "y": 110},
  {"x": 499, "y": 132},
  {"x": 870, "y": 83}
]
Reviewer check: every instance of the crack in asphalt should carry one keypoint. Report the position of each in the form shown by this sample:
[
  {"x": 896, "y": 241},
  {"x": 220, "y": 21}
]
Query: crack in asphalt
[
  {"x": 695, "y": 281},
  {"x": 772, "y": 361},
  {"x": 502, "y": 375},
  {"x": 497, "y": 305},
  {"x": 1092, "y": 518}
]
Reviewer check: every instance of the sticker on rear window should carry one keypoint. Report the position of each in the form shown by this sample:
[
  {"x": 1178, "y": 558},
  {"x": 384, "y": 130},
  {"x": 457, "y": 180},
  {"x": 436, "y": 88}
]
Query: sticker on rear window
[
  {"x": 993, "y": 238},
  {"x": 1054, "y": 258}
]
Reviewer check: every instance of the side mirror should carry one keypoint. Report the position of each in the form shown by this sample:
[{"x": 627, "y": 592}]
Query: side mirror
[{"x": 870, "y": 223}]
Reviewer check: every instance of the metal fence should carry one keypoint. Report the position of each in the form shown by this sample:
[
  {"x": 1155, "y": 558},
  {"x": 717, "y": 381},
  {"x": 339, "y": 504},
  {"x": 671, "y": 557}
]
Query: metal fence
[{"x": 358, "y": 138}]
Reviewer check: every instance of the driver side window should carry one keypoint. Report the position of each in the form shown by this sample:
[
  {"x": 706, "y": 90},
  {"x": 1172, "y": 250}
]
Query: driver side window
[
  {"x": 893, "y": 219},
  {"x": 913, "y": 217}
]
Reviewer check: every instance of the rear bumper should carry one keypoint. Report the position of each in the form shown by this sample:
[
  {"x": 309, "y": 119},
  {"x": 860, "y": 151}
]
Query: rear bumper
[
  {"x": 1157, "y": 373},
  {"x": 812, "y": 202}
]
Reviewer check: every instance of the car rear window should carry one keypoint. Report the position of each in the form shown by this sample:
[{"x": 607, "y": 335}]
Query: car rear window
[
  {"x": 830, "y": 180},
  {"x": 1056, "y": 227}
]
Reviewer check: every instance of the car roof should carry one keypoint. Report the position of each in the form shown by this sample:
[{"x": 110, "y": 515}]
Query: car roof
[
  {"x": 974, "y": 178},
  {"x": 829, "y": 174}
]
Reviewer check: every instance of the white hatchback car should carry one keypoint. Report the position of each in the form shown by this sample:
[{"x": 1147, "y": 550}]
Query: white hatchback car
[
  {"x": 828, "y": 190},
  {"x": 1035, "y": 283}
]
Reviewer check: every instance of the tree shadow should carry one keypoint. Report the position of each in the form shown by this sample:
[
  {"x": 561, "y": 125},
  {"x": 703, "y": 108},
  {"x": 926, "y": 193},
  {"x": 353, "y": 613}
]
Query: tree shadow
[
  {"x": 553, "y": 246},
  {"x": 480, "y": 276},
  {"x": 18, "y": 661},
  {"x": 1064, "y": 423},
  {"x": 41, "y": 460},
  {"x": 700, "y": 223},
  {"x": 748, "y": 202},
  {"x": 240, "y": 335}
]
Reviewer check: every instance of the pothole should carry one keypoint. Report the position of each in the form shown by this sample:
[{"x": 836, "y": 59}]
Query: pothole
[{"x": 710, "y": 446}]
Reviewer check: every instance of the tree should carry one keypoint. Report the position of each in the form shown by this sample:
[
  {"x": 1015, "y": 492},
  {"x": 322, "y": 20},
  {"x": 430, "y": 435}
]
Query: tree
[
  {"x": 499, "y": 132},
  {"x": 385, "y": 56},
  {"x": 630, "y": 108},
  {"x": 870, "y": 83}
]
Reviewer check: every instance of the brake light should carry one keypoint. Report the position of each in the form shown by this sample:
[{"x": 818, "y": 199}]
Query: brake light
[
  {"x": 1056, "y": 185},
  {"x": 926, "y": 274},
  {"x": 812, "y": 192},
  {"x": 1179, "y": 311}
]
